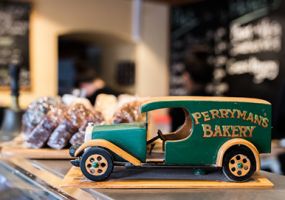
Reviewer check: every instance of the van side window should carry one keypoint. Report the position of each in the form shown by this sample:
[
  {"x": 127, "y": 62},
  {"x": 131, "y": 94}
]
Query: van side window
[{"x": 183, "y": 131}]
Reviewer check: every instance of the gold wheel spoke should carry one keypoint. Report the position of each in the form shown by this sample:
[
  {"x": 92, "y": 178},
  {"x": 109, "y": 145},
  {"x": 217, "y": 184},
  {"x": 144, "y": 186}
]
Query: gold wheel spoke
[
  {"x": 239, "y": 165},
  {"x": 96, "y": 168},
  {"x": 92, "y": 171}
]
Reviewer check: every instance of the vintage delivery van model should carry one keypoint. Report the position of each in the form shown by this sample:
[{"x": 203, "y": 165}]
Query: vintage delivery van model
[{"x": 221, "y": 132}]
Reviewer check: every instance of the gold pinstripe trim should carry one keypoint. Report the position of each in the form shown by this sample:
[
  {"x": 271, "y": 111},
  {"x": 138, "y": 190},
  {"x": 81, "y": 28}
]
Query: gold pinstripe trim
[
  {"x": 206, "y": 98},
  {"x": 112, "y": 147},
  {"x": 237, "y": 141}
]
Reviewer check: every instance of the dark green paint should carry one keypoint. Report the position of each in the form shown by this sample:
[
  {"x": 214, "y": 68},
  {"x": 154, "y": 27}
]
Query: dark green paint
[
  {"x": 129, "y": 137},
  {"x": 196, "y": 150}
]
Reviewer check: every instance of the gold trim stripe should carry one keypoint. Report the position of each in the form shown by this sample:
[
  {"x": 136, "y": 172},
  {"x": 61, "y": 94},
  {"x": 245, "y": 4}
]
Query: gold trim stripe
[
  {"x": 205, "y": 98},
  {"x": 112, "y": 147},
  {"x": 237, "y": 141}
]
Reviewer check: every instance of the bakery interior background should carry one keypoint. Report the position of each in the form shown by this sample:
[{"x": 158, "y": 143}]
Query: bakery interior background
[{"x": 148, "y": 48}]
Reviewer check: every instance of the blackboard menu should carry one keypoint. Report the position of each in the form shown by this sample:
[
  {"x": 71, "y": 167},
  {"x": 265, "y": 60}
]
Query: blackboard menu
[
  {"x": 244, "y": 40},
  {"x": 14, "y": 41}
]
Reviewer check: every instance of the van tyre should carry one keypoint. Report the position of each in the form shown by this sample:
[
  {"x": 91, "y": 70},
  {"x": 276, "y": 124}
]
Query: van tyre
[
  {"x": 239, "y": 164},
  {"x": 96, "y": 164}
]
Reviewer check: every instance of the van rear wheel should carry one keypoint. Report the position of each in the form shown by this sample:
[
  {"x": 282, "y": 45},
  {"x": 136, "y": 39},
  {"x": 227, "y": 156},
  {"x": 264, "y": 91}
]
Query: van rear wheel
[
  {"x": 239, "y": 164},
  {"x": 96, "y": 164}
]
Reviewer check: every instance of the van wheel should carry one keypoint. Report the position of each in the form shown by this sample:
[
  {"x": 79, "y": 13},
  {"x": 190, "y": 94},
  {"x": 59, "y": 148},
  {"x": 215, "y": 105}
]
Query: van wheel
[
  {"x": 96, "y": 164},
  {"x": 239, "y": 164}
]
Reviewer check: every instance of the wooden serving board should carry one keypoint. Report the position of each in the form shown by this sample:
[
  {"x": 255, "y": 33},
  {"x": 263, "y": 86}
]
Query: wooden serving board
[
  {"x": 74, "y": 178},
  {"x": 17, "y": 148}
]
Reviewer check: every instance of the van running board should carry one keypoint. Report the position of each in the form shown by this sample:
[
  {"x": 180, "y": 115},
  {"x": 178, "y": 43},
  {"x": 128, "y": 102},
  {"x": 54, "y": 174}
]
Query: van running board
[
  {"x": 159, "y": 163},
  {"x": 154, "y": 160},
  {"x": 162, "y": 165}
]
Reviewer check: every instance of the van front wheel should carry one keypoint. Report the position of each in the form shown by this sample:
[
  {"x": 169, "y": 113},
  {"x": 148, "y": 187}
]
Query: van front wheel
[
  {"x": 239, "y": 164},
  {"x": 96, "y": 164}
]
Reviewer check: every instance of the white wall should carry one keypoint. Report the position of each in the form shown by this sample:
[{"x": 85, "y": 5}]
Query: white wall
[
  {"x": 111, "y": 55},
  {"x": 152, "y": 51}
]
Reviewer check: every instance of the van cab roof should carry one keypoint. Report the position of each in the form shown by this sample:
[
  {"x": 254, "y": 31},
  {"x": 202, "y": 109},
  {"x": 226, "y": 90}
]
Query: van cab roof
[{"x": 168, "y": 101}]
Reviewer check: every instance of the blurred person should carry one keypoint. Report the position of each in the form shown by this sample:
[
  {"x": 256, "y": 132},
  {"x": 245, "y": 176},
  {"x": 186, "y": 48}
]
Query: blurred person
[
  {"x": 92, "y": 87},
  {"x": 197, "y": 74}
]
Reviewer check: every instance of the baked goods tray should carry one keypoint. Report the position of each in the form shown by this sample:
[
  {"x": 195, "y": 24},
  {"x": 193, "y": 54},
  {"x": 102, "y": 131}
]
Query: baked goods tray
[{"x": 16, "y": 147}]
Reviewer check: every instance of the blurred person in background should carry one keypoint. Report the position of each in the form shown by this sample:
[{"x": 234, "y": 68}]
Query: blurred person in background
[
  {"x": 197, "y": 74},
  {"x": 91, "y": 87}
]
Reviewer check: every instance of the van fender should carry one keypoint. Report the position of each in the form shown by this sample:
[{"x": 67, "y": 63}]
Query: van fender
[
  {"x": 233, "y": 142},
  {"x": 110, "y": 146}
]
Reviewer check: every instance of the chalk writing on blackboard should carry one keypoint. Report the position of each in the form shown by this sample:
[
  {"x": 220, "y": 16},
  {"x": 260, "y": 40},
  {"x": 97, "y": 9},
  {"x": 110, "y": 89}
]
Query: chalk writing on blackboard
[
  {"x": 245, "y": 38},
  {"x": 263, "y": 36},
  {"x": 14, "y": 41}
]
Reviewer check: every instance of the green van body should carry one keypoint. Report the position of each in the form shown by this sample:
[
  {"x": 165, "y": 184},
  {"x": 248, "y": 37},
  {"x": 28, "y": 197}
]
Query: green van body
[
  {"x": 202, "y": 145},
  {"x": 130, "y": 137},
  {"x": 197, "y": 150}
]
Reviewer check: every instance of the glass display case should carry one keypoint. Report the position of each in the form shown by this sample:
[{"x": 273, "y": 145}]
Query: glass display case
[{"x": 14, "y": 184}]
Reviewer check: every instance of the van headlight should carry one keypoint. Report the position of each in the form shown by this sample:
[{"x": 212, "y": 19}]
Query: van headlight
[{"x": 88, "y": 131}]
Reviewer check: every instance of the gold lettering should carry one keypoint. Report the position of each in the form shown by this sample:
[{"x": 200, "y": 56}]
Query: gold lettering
[
  {"x": 226, "y": 132},
  {"x": 257, "y": 119},
  {"x": 218, "y": 131},
  {"x": 234, "y": 131},
  {"x": 265, "y": 122},
  {"x": 215, "y": 114},
  {"x": 250, "y": 128},
  {"x": 206, "y": 116},
  {"x": 196, "y": 116},
  {"x": 243, "y": 131},
  {"x": 207, "y": 130},
  {"x": 224, "y": 113},
  {"x": 250, "y": 117},
  {"x": 232, "y": 112},
  {"x": 240, "y": 114}
]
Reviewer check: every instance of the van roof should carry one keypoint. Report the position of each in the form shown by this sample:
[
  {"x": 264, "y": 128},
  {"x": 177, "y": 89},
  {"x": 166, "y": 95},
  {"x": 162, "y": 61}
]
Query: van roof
[{"x": 169, "y": 99}]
